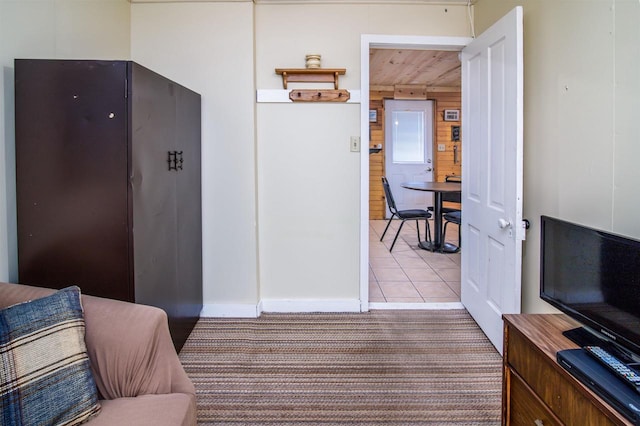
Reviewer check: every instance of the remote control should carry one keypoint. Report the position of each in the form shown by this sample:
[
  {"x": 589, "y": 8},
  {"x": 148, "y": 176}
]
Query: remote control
[{"x": 615, "y": 365}]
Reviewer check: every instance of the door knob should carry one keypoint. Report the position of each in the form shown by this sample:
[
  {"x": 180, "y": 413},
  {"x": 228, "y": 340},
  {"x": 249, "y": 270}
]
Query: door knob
[
  {"x": 504, "y": 223},
  {"x": 428, "y": 169}
]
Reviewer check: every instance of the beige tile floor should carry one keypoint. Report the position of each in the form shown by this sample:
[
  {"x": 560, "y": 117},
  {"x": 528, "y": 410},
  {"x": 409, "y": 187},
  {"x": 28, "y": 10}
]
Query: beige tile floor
[{"x": 410, "y": 274}]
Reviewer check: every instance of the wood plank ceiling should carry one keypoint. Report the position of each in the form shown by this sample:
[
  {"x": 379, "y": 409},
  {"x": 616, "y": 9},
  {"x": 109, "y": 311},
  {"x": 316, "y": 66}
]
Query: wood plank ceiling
[{"x": 435, "y": 69}]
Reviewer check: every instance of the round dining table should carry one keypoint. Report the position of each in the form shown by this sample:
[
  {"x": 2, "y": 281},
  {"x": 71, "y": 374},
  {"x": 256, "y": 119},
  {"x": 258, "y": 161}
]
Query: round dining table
[{"x": 438, "y": 243}]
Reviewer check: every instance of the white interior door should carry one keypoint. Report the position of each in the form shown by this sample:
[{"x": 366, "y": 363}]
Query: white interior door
[
  {"x": 409, "y": 150},
  {"x": 492, "y": 125}
]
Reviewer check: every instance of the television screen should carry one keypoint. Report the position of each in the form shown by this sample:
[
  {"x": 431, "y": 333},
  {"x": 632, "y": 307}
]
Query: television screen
[{"x": 593, "y": 276}]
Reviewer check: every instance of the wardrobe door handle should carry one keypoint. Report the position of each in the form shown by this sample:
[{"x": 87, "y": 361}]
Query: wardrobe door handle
[{"x": 175, "y": 160}]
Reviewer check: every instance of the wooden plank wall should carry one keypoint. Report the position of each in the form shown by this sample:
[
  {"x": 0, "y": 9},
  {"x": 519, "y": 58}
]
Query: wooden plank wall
[
  {"x": 376, "y": 161},
  {"x": 444, "y": 160},
  {"x": 444, "y": 165}
]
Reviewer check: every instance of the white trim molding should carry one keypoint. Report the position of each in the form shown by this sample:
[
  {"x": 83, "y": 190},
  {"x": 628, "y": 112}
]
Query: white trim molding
[
  {"x": 189, "y": 1},
  {"x": 238, "y": 310},
  {"x": 230, "y": 310},
  {"x": 433, "y": 2},
  {"x": 310, "y": 305},
  {"x": 417, "y": 306},
  {"x": 368, "y": 41}
]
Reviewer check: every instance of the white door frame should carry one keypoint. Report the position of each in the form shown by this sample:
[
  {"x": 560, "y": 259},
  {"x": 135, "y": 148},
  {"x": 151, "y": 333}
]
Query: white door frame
[{"x": 368, "y": 41}]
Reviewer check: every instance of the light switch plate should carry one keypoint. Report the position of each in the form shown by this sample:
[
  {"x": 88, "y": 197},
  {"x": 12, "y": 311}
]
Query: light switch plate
[
  {"x": 442, "y": 147},
  {"x": 355, "y": 144}
]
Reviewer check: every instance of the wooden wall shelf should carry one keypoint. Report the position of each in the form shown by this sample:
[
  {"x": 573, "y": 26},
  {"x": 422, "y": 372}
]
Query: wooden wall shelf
[{"x": 303, "y": 75}]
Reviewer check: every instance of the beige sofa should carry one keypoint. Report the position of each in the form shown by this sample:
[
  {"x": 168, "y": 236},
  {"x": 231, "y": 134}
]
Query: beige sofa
[{"x": 137, "y": 372}]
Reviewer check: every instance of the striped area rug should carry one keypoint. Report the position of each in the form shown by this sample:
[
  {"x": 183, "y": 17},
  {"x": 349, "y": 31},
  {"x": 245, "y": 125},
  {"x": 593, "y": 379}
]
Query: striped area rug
[{"x": 382, "y": 367}]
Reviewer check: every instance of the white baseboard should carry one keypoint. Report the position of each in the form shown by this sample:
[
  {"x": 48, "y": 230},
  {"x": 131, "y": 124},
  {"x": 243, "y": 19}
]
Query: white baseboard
[
  {"x": 230, "y": 310},
  {"x": 238, "y": 310},
  {"x": 425, "y": 306},
  {"x": 310, "y": 305}
]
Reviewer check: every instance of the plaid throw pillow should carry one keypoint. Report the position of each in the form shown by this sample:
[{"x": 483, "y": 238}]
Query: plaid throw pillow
[{"x": 45, "y": 376}]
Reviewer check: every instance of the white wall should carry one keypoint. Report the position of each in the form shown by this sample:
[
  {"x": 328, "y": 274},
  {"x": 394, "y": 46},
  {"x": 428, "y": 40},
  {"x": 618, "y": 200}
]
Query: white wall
[
  {"x": 208, "y": 47},
  {"x": 58, "y": 29},
  {"x": 582, "y": 97},
  {"x": 626, "y": 170},
  {"x": 308, "y": 180},
  {"x": 309, "y": 193}
]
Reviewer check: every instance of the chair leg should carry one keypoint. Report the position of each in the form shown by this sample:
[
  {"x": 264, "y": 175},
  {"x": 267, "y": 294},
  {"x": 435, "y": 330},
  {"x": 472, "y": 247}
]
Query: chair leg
[
  {"x": 397, "y": 234},
  {"x": 427, "y": 229},
  {"x": 444, "y": 234},
  {"x": 385, "y": 229}
]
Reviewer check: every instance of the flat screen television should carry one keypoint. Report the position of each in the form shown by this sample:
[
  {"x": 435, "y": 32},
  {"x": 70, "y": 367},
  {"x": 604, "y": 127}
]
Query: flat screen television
[{"x": 594, "y": 277}]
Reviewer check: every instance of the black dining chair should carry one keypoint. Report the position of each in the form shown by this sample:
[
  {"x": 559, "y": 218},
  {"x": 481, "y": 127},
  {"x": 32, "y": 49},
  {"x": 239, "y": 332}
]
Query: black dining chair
[
  {"x": 404, "y": 215},
  {"x": 451, "y": 214}
]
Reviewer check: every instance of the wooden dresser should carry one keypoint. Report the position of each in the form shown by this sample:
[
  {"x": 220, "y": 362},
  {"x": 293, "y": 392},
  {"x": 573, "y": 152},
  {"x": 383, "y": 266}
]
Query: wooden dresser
[{"x": 536, "y": 390}]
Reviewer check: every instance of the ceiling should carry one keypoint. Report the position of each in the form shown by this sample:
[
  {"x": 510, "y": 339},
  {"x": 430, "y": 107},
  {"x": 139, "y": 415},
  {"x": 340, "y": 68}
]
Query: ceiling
[{"x": 433, "y": 68}]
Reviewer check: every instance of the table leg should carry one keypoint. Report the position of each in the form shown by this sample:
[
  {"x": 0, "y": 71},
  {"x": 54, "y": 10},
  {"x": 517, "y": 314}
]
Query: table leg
[{"x": 438, "y": 243}]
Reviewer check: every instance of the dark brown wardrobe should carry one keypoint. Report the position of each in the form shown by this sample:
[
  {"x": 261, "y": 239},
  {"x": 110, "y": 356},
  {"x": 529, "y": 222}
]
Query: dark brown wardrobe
[{"x": 108, "y": 184}]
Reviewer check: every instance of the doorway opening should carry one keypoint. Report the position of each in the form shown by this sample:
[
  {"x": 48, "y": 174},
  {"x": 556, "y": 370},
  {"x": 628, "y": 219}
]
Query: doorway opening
[
  {"x": 392, "y": 44},
  {"x": 492, "y": 113}
]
